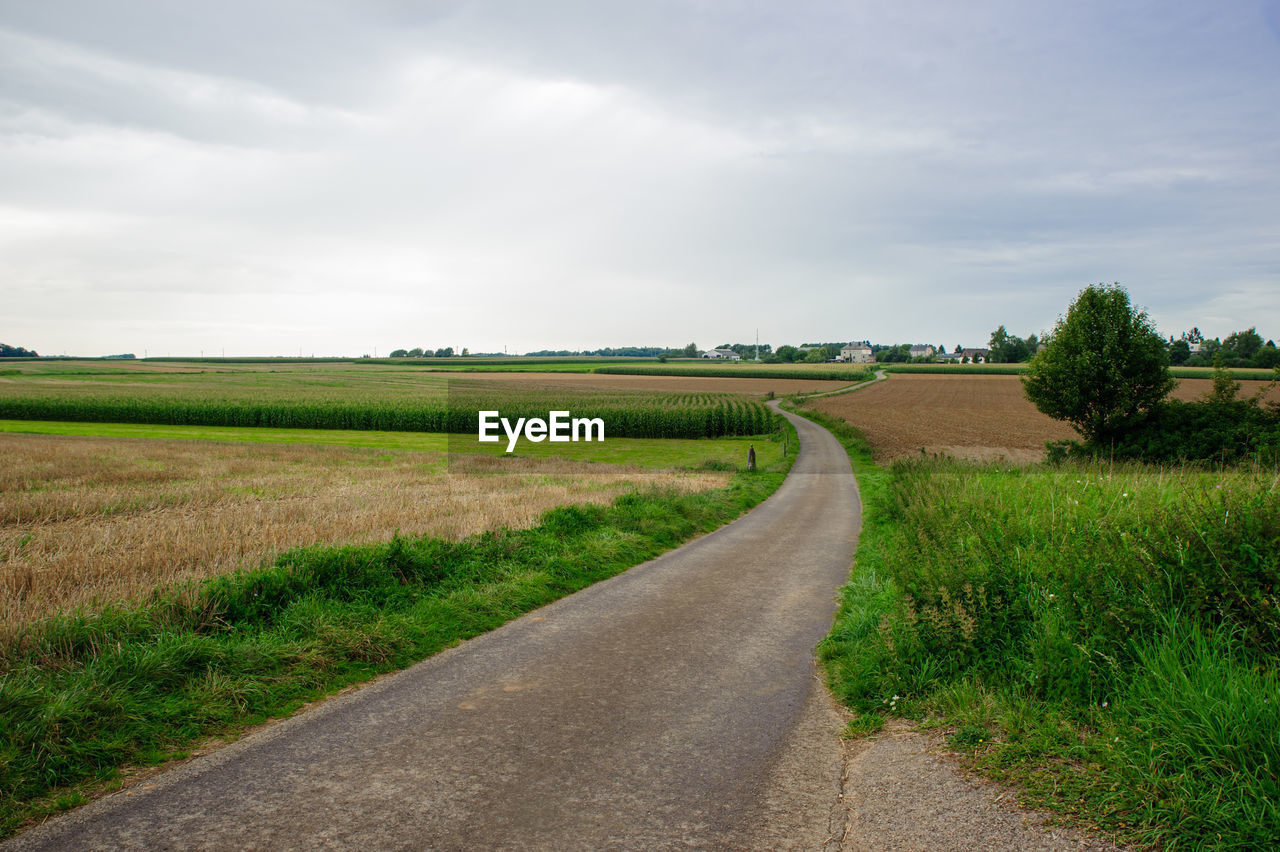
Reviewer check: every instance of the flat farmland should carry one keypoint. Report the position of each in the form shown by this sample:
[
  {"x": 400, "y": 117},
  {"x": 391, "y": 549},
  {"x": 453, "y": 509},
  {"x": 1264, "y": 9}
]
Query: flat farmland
[
  {"x": 348, "y": 380},
  {"x": 979, "y": 417},
  {"x": 86, "y": 521},
  {"x": 662, "y": 384},
  {"x": 1190, "y": 389},
  {"x": 344, "y": 396},
  {"x": 97, "y": 510},
  {"x": 965, "y": 416}
]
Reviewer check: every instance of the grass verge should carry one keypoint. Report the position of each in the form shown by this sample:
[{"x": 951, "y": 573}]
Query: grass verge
[
  {"x": 85, "y": 694},
  {"x": 1105, "y": 637}
]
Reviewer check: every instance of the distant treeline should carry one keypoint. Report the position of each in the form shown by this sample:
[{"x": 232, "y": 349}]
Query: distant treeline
[
  {"x": 7, "y": 351},
  {"x": 607, "y": 352},
  {"x": 1239, "y": 349}
]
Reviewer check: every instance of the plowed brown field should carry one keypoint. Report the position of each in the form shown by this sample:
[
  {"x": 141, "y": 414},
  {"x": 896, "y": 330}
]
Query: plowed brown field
[
  {"x": 965, "y": 416},
  {"x": 973, "y": 417}
]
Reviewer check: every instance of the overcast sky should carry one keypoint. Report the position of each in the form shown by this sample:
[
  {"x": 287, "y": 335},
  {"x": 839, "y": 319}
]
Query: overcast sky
[{"x": 335, "y": 177}]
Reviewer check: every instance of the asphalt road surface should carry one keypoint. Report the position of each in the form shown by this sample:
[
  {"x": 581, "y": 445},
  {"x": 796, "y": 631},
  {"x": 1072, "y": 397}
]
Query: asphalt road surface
[{"x": 671, "y": 707}]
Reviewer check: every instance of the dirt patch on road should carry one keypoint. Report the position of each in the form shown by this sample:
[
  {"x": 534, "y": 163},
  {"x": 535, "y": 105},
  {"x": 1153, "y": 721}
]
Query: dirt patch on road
[{"x": 904, "y": 790}]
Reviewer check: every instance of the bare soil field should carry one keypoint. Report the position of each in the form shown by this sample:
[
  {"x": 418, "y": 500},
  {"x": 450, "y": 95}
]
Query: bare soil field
[
  {"x": 976, "y": 417},
  {"x": 965, "y": 416},
  {"x": 86, "y": 521},
  {"x": 1192, "y": 389}
]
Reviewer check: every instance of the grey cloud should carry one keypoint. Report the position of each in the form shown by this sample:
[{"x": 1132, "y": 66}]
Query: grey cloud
[{"x": 905, "y": 171}]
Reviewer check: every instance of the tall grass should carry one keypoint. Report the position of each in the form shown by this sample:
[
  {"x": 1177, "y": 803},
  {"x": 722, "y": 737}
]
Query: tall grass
[{"x": 1106, "y": 636}]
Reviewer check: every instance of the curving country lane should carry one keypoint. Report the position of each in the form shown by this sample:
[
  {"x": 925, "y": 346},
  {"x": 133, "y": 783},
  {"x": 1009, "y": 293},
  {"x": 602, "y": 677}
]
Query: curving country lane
[{"x": 670, "y": 707}]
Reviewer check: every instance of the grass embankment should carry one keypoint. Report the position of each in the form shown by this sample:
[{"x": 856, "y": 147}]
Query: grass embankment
[
  {"x": 83, "y": 695},
  {"x": 1104, "y": 637}
]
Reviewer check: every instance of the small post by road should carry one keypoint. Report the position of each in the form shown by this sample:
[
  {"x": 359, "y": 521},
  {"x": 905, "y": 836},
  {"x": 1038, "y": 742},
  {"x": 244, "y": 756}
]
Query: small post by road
[{"x": 751, "y": 457}]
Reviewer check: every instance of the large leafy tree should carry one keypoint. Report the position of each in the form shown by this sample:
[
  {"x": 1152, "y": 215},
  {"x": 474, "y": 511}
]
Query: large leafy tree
[
  {"x": 1243, "y": 344},
  {"x": 1104, "y": 365}
]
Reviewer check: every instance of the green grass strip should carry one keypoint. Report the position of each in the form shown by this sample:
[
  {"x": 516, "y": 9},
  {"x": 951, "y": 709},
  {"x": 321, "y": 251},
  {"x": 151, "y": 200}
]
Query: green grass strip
[
  {"x": 657, "y": 453},
  {"x": 82, "y": 695}
]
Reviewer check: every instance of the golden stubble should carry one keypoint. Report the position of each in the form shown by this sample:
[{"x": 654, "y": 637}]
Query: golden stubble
[{"x": 89, "y": 521}]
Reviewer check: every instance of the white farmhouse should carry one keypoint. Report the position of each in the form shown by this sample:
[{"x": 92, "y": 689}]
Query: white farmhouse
[
  {"x": 722, "y": 354},
  {"x": 857, "y": 353}
]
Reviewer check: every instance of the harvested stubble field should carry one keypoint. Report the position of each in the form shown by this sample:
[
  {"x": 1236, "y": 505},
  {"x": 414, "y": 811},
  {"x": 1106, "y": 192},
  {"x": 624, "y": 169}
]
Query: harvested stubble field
[
  {"x": 86, "y": 521},
  {"x": 979, "y": 417}
]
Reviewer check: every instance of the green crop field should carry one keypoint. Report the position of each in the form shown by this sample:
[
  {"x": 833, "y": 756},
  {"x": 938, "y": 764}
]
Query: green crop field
[
  {"x": 325, "y": 396},
  {"x": 658, "y": 453}
]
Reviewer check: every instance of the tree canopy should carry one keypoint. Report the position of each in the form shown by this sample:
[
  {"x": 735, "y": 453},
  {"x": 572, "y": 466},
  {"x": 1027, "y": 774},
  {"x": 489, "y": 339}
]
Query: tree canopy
[{"x": 1104, "y": 365}]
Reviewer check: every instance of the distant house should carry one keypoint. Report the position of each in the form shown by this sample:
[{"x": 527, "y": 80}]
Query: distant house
[
  {"x": 922, "y": 351},
  {"x": 857, "y": 353},
  {"x": 974, "y": 356},
  {"x": 722, "y": 354}
]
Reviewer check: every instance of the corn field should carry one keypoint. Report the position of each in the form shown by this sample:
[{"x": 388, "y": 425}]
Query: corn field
[{"x": 636, "y": 415}]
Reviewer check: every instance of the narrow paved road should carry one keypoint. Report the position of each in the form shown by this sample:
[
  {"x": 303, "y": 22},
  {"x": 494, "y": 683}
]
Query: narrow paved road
[{"x": 655, "y": 710}]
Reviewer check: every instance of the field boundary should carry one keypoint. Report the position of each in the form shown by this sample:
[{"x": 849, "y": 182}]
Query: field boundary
[{"x": 880, "y": 376}]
